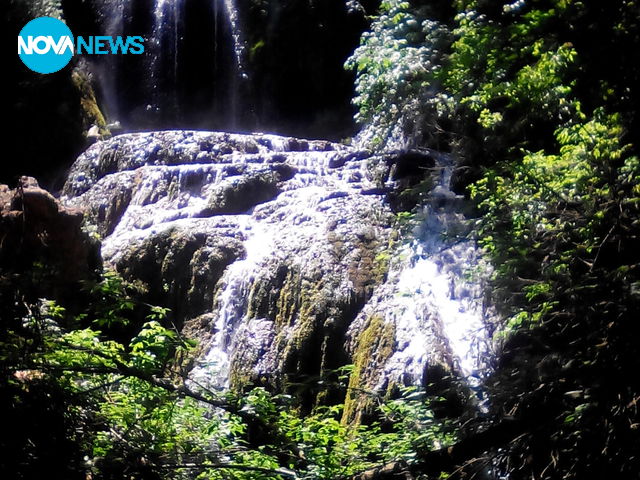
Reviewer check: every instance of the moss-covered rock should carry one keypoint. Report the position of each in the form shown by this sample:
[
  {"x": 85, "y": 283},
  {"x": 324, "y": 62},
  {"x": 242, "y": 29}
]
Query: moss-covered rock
[
  {"x": 91, "y": 113},
  {"x": 310, "y": 301},
  {"x": 375, "y": 345}
]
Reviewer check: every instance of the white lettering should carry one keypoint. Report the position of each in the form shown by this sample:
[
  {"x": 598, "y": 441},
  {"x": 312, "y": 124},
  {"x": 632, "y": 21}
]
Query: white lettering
[
  {"x": 63, "y": 45},
  {"x": 42, "y": 45},
  {"x": 47, "y": 44},
  {"x": 24, "y": 47}
]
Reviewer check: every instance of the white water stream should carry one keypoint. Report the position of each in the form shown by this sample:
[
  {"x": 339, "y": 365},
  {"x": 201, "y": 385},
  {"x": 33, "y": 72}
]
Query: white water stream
[{"x": 213, "y": 371}]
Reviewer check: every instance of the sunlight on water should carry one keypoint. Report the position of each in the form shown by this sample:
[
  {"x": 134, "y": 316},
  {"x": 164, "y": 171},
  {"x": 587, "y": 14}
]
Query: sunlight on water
[
  {"x": 431, "y": 297},
  {"x": 427, "y": 288},
  {"x": 232, "y": 304}
]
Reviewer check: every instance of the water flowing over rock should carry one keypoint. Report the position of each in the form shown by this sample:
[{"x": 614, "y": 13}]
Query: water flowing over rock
[
  {"x": 428, "y": 319},
  {"x": 279, "y": 255}
]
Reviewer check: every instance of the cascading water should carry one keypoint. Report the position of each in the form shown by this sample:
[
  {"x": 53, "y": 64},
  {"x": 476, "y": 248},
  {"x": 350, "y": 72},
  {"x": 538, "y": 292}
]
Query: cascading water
[
  {"x": 193, "y": 69},
  {"x": 232, "y": 301},
  {"x": 166, "y": 44},
  {"x": 270, "y": 249},
  {"x": 447, "y": 265},
  {"x": 431, "y": 297},
  {"x": 236, "y": 33},
  {"x": 240, "y": 75}
]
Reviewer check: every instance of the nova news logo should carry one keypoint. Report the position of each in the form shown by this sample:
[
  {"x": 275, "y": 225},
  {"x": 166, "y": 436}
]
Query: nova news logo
[{"x": 46, "y": 45}]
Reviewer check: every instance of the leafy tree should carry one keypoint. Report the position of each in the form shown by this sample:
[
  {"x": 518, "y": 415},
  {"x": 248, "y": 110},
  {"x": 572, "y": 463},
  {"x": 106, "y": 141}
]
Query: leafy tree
[
  {"x": 396, "y": 67},
  {"x": 538, "y": 101}
]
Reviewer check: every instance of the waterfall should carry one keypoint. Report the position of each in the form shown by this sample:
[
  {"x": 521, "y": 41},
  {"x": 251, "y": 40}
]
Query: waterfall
[
  {"x": 165, "y": 43},
  {"x": 165, "y": 36},
  {"x": 269, "y": 250},
  {"x": 433, "y": 297},
  {"x": 112, "y": 16},
  {"x": 231, "y": 309},
  {"x": 237, "y": 35},
  {"x": 172, "y": 83},
  {"x": 436, "y": 279}
]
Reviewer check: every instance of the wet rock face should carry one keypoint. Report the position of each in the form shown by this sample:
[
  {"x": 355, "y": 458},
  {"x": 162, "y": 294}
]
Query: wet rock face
[
  {"x": 179, "y": 267},
  {"x": 276, "y": 254},
  {"x": 238, "y": 195}
]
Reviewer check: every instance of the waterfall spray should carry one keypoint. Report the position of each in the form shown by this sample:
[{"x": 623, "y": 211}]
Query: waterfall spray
[
  {"x": 113, "y": 17},
  {"x": 238, "y": 40}
]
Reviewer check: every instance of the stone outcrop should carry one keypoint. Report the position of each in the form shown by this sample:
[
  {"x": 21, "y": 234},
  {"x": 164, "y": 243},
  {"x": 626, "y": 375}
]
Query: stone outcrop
[
  {"x": 265, "y": 245},
  {"x": 39, "y": 236}
]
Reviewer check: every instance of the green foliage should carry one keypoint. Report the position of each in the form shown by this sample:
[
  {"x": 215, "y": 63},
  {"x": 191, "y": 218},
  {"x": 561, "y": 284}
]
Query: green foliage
[
  {"x": 541, "y": 202},
  {"x": 328, "y": 448},
  {"x": 396, "y": 66},
  {"x": 558, "y": 206},
  {"x": 136, "y": 415},
  {"x": 113, "y": 301},
  {"x": 509, "y": 79}
]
